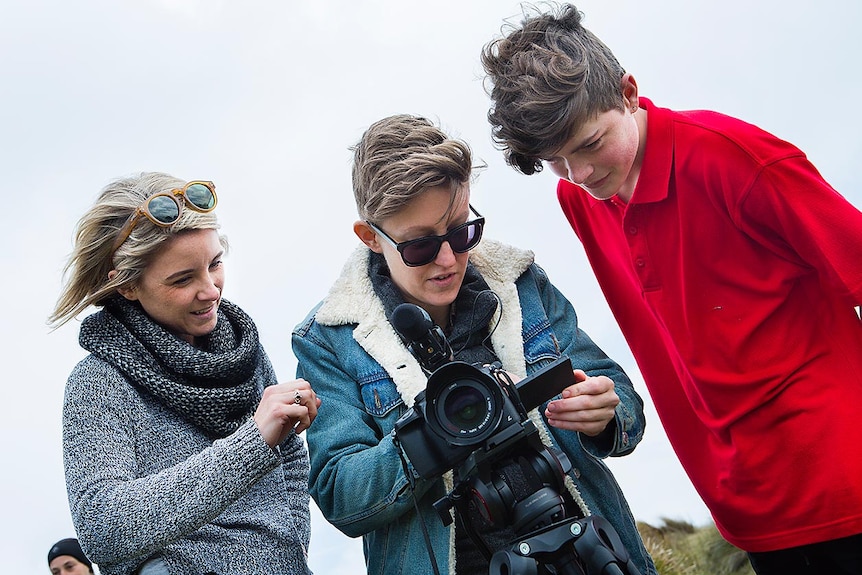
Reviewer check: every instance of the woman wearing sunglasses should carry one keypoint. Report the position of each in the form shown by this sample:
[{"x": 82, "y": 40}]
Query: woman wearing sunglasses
[
  {"x": 181, "y": 449},
  {"x": 421, "y": 244}
]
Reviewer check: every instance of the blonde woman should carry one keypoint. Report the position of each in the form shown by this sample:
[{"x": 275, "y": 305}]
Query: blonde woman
[{"x": 181, "y": 449}]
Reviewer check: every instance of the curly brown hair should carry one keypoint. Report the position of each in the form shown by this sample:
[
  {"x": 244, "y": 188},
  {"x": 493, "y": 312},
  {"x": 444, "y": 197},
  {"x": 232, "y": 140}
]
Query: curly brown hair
[{"x": 546, "y": 79}]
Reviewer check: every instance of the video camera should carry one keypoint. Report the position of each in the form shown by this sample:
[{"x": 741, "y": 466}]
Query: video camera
[
  {"x": 465, "y": 408},
  {"x": 472, "y": 419}
]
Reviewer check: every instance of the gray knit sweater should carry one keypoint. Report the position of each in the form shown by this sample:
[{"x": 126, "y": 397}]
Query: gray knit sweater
[{"x": 143, "y": 482}]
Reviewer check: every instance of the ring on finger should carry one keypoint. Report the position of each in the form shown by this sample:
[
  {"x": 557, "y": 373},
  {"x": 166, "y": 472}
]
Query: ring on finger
[{"x": 297, "y": 397}]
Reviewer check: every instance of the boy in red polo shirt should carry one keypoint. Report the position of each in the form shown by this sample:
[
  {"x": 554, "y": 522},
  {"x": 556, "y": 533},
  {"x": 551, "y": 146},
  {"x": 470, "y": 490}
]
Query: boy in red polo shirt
[{"x": 733, "y": 270}]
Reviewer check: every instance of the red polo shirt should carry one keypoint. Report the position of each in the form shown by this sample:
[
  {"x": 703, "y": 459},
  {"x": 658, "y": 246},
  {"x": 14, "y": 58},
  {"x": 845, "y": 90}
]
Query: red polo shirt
[{"x": 733, "y": 273}]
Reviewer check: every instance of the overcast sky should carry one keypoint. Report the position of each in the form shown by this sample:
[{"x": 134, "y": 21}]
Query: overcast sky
[{"x": 264, "y": 98}]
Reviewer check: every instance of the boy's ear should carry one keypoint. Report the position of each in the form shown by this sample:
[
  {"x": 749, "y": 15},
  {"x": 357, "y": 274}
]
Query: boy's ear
[
  {"x": 367, "y": 236},
  {"x": 629, "y": 90}
]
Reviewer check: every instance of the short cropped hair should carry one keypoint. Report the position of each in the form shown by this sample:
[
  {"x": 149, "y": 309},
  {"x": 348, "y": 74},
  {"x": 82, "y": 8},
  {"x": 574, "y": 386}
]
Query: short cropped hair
[
  {"x": 546, "y": 79},
  {"x": 398, "y": 158},
  {"x": 93, "y": 258}
]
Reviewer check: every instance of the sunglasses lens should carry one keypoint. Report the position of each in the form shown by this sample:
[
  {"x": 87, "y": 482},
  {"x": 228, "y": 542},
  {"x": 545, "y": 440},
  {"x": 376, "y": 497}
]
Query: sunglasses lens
[
  {"x": 163, "y": 209},
  {"x": 421, "y": 252},
  {"x": 200, "y": 196},
  {"x": 466, "y": 237}
]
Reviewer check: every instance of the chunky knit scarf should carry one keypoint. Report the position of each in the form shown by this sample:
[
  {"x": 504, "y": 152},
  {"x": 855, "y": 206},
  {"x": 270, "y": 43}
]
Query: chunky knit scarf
[{"x": 214, "y": 387}]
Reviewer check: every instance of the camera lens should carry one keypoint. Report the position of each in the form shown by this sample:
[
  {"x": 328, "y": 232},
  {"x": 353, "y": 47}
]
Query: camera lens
[
  {"x": 465, "y": 404},
  {"x": 465, "y": 408}
]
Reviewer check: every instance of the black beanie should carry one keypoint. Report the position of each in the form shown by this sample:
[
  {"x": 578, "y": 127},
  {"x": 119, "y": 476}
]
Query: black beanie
[{"x": 69, "y": 547}]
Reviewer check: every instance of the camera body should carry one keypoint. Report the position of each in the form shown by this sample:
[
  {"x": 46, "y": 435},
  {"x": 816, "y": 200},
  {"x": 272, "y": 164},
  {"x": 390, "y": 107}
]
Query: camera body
[{"x": 469, "y": 408}]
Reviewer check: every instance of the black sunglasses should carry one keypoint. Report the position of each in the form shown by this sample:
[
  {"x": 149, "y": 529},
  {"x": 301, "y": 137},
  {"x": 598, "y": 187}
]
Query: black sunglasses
[{"x": 424, "y": 250}]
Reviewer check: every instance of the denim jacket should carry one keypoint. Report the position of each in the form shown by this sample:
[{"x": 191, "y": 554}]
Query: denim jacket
[{"x": 367, "y": 378}]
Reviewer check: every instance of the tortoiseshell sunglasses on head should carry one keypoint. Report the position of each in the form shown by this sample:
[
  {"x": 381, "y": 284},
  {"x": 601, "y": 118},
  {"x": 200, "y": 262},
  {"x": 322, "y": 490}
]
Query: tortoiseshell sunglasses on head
[{"x": 164, "y": 208}]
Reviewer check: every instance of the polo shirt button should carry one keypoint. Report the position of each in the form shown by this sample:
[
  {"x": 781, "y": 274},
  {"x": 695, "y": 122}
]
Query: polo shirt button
[
  {"x": 633, "y": 230},
  {"x": 640, "y": 262}
]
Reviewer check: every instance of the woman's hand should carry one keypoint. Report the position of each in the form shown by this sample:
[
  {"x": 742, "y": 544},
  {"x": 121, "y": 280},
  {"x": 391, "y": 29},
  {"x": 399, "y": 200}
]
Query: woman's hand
[
  {"x": 587, "y": 406},
  {"x": 284, "y": 407}
]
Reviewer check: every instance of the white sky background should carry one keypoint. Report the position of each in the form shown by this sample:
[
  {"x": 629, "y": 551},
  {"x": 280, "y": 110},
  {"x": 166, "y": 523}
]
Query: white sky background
[{"x": 265, "y": 97}]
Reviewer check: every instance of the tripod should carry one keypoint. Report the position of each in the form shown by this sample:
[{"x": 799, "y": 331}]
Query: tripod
[
  {"x": 587, "y": 546},
  {"x": 520, "y": 485}
]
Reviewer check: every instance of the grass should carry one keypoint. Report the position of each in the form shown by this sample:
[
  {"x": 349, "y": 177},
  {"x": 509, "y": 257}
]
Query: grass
[{"x": 679, "y": 548}]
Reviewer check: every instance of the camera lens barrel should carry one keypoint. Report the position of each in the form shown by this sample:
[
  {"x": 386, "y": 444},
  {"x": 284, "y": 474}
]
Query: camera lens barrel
[{"x": 465, "y": 404}]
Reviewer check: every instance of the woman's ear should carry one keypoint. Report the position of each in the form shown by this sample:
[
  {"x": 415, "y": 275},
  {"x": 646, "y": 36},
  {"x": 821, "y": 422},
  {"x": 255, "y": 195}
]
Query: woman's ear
[
  {"x": 127, "y": 291},
  {"x": 367, "y": 236}
]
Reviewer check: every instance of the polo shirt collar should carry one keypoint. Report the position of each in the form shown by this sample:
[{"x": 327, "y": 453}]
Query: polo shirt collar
[{"x": 654, "y": 179}]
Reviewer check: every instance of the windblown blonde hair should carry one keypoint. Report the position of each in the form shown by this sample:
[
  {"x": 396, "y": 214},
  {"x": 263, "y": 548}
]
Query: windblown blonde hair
[{"x": 86, "y": 272}]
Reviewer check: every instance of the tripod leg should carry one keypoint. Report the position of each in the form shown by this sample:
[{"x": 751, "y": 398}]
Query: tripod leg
[
  {"x": 602, "y": 550},
  {"x": 510, "y": 563}
]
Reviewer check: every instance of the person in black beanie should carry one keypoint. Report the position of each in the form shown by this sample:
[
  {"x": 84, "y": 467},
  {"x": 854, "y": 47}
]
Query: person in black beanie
[{"x": 67, "y": 558}]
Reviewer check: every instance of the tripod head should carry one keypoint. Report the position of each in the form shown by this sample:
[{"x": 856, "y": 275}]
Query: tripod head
[{"x": 586, "y": 546}]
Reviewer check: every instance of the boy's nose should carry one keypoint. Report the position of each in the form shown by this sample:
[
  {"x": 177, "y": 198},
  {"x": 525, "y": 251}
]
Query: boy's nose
[{"x": 578, "y": 172}]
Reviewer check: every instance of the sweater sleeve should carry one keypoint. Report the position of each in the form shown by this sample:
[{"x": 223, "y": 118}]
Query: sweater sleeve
[
  {"x": 294, "y": 459},
  {"x": 122, "y": 514},
  {"x": 626, "y": 430},
  {"x": 294, "y": 465}
]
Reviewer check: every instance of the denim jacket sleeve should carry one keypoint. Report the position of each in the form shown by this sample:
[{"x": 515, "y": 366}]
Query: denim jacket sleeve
[
  {"x": 629, "y": 421},
  {"x": 356, "y": 477}
]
